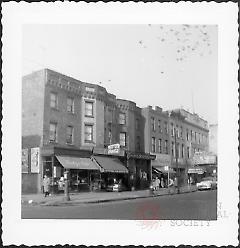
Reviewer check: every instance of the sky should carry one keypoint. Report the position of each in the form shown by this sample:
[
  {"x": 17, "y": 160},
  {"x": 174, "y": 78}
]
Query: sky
[{"x": 170, "y": 66}]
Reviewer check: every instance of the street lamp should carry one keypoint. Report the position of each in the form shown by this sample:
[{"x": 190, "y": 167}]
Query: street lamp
[{"x": 176, "y": 154}]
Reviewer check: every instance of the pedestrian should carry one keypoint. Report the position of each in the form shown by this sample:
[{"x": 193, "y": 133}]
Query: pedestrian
[
  {"x": 157, "y": 183},
  {"x": 162, "y": 182},
  {"x": 46, "y": 185},
  {"x": 175, "y": 183}
]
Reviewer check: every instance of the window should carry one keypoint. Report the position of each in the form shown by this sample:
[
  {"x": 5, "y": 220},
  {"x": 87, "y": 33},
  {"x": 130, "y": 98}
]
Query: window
[
  {"x": 53, "y": 132},
  {"x": 173, "y": 149},
  {"x": 88, "y": 132},
  {"x": 159, "y": 126},
  {"x": 166, "y": 127},
  {"x": 153, "y": 144},
  {"x": 160, "y": 146},
  {"x": 195, "y": 136},
  {"x": 188, "y": 152},
  {"x": 122, "y": 139},
  {"x": 182, "y": 150},
  {"x": 199, "y": 137},
  {"x": 178, "y": 150},
  {"x": 177, "y": 131},
  {"x": 172, "y": 129},
  {"x": 166, "y": 146},
  {"x": 89, "y": 109},
  {"x": 137, "y": 124},
  {"x": 53, "y": 100},
  {"x": 187, "y": 134},
  {"x": 122, "y": 118},
  {"x": 181, "y": 132},
  {"x": 69, "y": 134},
  {"x": 138, "y": 143},
  {"x": 70, "y": 105},
  {"x": 191, "y": 135},
  {"x": 153, "y": 123}
]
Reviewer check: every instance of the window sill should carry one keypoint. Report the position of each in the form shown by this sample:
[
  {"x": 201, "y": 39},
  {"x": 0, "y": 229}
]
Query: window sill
[
  {"x": 71, "y": 113},
  {"x": 89, "y": 142},
  {"x": 52, "y": 142},
  {"x": 89, "y": 116},
  {"x": 55, "y": 109}
]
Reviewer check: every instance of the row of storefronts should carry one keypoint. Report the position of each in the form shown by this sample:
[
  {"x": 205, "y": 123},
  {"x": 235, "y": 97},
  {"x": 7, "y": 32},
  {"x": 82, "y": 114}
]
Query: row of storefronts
[
  {"x": 91, "y": 170},
  {"x": 88, "y": 169}
]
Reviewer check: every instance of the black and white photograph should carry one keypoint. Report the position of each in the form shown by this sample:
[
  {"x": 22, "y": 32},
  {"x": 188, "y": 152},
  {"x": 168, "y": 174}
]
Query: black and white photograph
[{"x": 120, "y": 124}]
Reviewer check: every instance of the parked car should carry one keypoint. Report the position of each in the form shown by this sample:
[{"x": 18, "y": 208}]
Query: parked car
[
  {"x": 207, "y": 183},
  {"x": 117, "y": 187}
]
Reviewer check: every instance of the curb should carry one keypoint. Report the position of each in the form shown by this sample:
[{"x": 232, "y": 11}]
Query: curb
[{"x": 72, "y": 203}]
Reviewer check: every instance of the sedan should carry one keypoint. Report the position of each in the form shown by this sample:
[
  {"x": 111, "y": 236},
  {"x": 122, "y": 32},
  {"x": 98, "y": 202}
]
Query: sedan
[
  {"x": 117, "y": 187},
  {"x": 207, "y": 183}
]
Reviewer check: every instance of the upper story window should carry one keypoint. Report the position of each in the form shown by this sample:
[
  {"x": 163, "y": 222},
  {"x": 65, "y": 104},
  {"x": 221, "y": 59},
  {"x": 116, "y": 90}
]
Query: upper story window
[
  {"x": 137, "y": 124},
  {"x": 166, "y": 146},
  {"x": 70, "y": 105},
  {"x": 195, "y": 136},
  {"x": 53, "y": 100},
  {"x": 160, "y": 146},
  {"x": 177, "y": 131},
  {"x": 88, "y": 133},
  {"x": 182, "y": 150},
  {"x": 188, "y": 152},
  {"x": 53, "y": 132},
  {"x": 153, "y": 144},
  {"x": 173, "y": 149},
  {"x": 69, "y": 135},
  {"x": 181, "y": 132},
  {"x": 187, "y": 134},
  {"x": 153, "y": 123},
  {"x": 172, "y": 129},
  {"x": 122, "y": 139},
  {"x": 122, "y": 118},
  {"x": 138, "y": 146},
  {"x": 88, "y": 109},
  {"x": 166, "y": 127},
  {"x": 159, "y": 126},
  {"x": 191, "y": 135}
]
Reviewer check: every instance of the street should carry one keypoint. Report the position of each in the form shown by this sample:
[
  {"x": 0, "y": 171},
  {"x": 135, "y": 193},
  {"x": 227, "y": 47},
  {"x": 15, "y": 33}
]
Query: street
[{"x": 190, "y": 206}]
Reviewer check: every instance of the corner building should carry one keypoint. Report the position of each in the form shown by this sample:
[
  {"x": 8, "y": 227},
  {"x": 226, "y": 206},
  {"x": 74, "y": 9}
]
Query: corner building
[{"x": 68, "y": 124}]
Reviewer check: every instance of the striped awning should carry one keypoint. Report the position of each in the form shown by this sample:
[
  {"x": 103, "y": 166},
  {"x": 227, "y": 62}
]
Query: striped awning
[{"x": 196, "y": 170}]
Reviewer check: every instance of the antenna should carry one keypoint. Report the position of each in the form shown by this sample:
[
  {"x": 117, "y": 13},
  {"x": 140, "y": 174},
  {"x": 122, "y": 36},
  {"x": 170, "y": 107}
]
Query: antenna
[{"x": 193, "y": 110}]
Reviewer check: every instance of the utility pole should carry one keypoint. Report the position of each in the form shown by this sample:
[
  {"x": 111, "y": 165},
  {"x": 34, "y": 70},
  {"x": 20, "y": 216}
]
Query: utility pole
[{"x": 176, "y": 154}]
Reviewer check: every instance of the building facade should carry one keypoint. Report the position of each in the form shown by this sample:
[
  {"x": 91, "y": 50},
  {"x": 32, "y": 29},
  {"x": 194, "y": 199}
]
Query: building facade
[{"x": 67, "y": 119}]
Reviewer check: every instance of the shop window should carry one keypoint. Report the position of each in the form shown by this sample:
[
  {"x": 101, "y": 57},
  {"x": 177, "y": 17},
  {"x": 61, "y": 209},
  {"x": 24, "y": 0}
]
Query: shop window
[
  {"x": 122, "y": 139},
  {"x": 153, "y": 144},
  {"x": 88, "y": 109},
  {"x": 122, "y": 118},
  {"x": 70, "y": 105},
  {"x": 69, "y": 135},
  {"x": 153, "y": 123},
  {"x": 88, "y": 132},
  {"x": 53, "y": 100},
  {"x": 53, "y": 132}
]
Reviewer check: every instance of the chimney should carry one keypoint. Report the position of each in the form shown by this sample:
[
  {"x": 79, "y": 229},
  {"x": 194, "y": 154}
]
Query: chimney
[
  {"x": 158, "y": 109},
  {"x": 149, "y": 106}
]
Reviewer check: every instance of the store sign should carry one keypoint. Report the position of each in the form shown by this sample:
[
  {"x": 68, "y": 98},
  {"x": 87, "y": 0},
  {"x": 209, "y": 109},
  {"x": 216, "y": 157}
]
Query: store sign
[
  {"x": 114, "y": 149},
  {"x": 204, "y": 158},
  {"x": 25, "y": 161},
  {"x": 162, "y": 160},
  {"x": 35, "y": 160}
]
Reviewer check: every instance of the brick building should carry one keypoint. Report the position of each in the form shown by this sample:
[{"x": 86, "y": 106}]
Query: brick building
[{"x": 72, "y": 122}]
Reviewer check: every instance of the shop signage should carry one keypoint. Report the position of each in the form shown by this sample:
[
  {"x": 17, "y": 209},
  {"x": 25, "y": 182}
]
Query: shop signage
[
  {"x": 141, "y": 156},
  {"x": 162, "y": 160},
  {"x": 114, "y": 149},
  {"x": 25, "y": 161},
  {"x": 204, "y": 158},
  {"x": 35, "y": 160}
]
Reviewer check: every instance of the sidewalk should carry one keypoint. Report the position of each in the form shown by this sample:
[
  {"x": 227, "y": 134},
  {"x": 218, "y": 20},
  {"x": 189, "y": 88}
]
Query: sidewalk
[{"x": 96, "y": 197}]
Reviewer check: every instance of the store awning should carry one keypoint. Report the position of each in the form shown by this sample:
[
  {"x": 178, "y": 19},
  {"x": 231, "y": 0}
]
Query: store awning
[
  {"x": 110, "y": 164},
  {"x": 155, "y": 170},
  {"x": 162, "y": 169},
  {"x": 196, "y": 170},
  {"x": 77, "y": 163}
]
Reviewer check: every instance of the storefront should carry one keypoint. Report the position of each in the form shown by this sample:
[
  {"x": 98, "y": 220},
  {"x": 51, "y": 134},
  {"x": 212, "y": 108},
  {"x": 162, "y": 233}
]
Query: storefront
[
  {"x": 195, "y": 174},
  {"x": 140, "y": 171},
  {"x": 81, "y": 167}
]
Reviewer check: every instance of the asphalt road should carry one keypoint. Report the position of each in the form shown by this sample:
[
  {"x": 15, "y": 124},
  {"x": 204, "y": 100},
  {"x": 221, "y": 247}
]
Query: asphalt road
[{"x": 190, "y": 206}]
